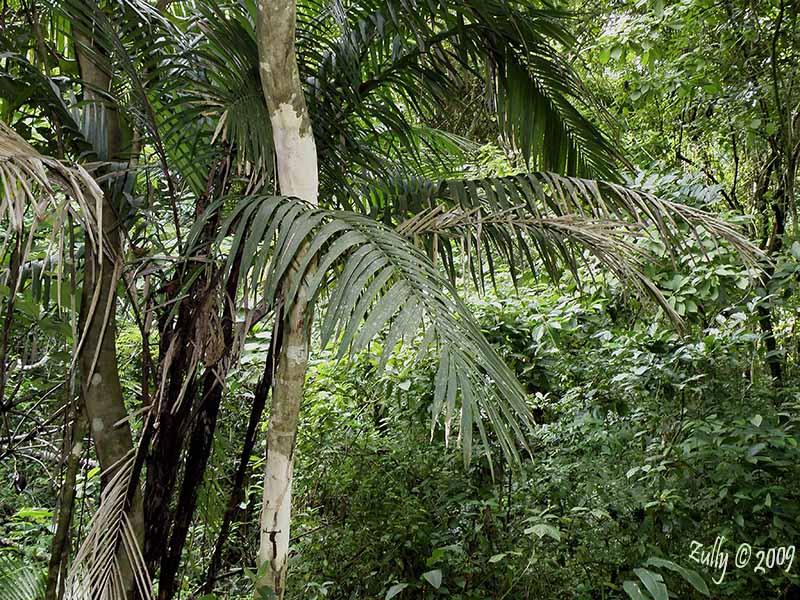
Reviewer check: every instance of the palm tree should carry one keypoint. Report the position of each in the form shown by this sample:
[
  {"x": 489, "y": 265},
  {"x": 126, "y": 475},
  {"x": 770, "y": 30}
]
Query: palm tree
[{"x": 199, "y": 114}]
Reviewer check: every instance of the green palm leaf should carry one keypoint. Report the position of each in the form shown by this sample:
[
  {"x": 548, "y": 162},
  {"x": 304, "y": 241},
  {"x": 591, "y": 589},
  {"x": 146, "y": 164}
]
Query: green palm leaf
[
  {"x": 381, "y": 286},
  {"x": 518, "y": 218},
  {"x": 18, "y": 580}
]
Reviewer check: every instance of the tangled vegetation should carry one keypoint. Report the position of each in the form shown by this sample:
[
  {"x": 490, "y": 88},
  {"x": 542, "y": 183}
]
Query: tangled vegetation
[{"x": 374, "y": 299}]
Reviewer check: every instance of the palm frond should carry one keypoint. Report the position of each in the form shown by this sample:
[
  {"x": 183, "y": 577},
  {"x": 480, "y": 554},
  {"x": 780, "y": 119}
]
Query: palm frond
[
  {"x": 532, "y": 197},
  {"x": 381, "y": 287},
  {"x": 519, "y": 218},
  {"x": 230, "y": 89},
  {"x": 38, "y": 189},
  {"x": 110, "y": 548},
  {"x": 19, "y": 580},
  {"x": 372, "y": 63},
  {"x": 536, "y": 115},
  {"x": 557, "y": 240}
]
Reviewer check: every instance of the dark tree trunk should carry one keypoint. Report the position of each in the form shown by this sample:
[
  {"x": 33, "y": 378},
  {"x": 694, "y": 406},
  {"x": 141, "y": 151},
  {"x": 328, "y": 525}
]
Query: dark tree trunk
[
  {"x": 163, "y": 461},
  {"x": 237, "y": 491},
  {"x": 172, "y": 424},
  {"x": 200, "y": 444}
]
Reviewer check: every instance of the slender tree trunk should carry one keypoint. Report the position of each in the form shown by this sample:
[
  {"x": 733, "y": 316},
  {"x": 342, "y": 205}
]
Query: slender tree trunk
[
  {"x": 101, "y": 391},
  {"x": 765, "y": 322},
  {"x": 772, "y": 246},
  {"x": 200, "y": 445},
  {"x": 164, "y": 457},
  {"x": 237, "y": 490},
  {"x": 59, "y": 549},
  {"x": 298, "y": 176}
]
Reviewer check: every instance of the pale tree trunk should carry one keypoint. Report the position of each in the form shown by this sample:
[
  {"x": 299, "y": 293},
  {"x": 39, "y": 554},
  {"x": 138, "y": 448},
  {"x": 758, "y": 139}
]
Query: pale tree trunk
[
  {"x": 297, "y": 176},
  {"x": 101, "y": 391}
]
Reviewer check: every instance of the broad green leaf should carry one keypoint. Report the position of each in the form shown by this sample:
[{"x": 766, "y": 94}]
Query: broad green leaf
[
  {"x": 634, "y": 591},
  {"x": 691, "y": 577},
  {"x": 654, "y": 583},
  {"x": 433, "y": 577},
  {"x": 395, "y": 590},
  {"x": 543, "y": 529}
]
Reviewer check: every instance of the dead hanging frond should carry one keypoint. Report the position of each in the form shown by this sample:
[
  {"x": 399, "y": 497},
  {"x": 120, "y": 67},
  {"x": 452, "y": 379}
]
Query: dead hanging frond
[
  {"x": 44, "y": 194},
  {"x": 110, "y": 551},
  {"x": 559, "y": 239},
  {"x": 40, "y": 191}
]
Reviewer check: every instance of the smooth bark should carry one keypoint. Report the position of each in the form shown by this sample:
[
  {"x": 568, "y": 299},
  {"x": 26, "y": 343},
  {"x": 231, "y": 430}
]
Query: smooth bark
[{"x": 298, "y": 176}]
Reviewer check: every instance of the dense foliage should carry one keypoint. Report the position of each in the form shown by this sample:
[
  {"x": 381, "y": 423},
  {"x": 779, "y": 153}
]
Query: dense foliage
[{"x": 648, "y": 397}]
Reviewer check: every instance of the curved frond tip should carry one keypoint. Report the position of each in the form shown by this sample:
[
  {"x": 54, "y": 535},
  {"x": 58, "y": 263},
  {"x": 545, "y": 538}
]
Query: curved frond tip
[{"x": 110, "y": 548}]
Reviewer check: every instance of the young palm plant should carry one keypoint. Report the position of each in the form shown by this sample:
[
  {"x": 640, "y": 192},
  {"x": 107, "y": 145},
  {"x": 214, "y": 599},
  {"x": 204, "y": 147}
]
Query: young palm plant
[{"x": 273, "y": 162}]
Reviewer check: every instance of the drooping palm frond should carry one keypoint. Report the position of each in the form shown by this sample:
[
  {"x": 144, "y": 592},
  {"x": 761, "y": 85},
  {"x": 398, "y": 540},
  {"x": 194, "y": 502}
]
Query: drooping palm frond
[
  {"x": 371, "y": 64},
  {"x": 38, "y": 189},
  {"x": 556, "y": 240},
  {"x": 110, "y": 548},
  {"x": 381, "y": 286},
  {"x": 520, "y": 217},
  {"x": 19, "y": 580}
]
